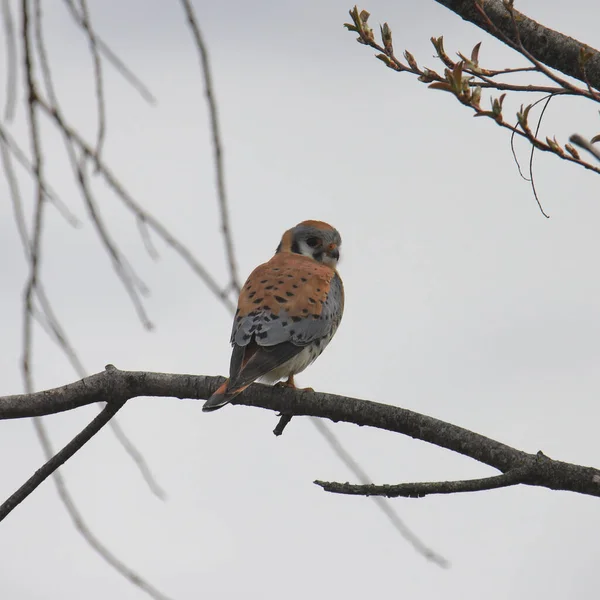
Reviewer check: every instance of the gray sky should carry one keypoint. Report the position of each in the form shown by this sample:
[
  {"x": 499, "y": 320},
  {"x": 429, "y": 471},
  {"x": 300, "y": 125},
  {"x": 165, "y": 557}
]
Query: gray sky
[{"x": 487, "y": 314}]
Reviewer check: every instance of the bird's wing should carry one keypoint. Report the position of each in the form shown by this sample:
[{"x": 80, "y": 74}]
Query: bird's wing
[{"x": 286, "y": 304}]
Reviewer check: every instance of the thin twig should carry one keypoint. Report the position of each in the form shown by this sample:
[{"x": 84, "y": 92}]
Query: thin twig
[
  {"x": 533, "y": 148},
  {"x": 131, "y": 282},
  {"x": 112, "y": 58},
  {"x": 98, "y": 77},
  {"x": 381, "y": 503},
  {"x": 33, "y": 253},
  {"x": 421, "y": 489},
  {"x": 11, "y": 61},
  {"x": 121, "y": 265},
  {"x": 216, "y": 143},
  {"x": 37, "y": 163},
  {"x": 120, "y": 191},
  {"x": 138, "y": 459},
  {"x": 146, "y": 239},
  {"x": 83, "y": 527},
  {"x": 49, "y": 192}
]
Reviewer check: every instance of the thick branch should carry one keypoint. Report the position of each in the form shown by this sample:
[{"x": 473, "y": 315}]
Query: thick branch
[
  {"x": 550, "y": 47},
  {"x": 130, "y": 384}
]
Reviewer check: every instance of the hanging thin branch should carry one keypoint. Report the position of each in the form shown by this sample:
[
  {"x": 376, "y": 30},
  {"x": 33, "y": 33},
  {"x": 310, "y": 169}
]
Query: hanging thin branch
[{"x": 216, "y": 144}]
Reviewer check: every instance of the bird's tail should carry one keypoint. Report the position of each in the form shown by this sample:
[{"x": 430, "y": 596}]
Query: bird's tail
[{"x": 224, "y": 395}]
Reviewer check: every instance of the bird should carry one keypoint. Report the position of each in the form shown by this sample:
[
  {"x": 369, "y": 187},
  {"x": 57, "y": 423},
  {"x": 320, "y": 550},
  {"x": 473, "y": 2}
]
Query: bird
[{"x": 288, "y": 310}]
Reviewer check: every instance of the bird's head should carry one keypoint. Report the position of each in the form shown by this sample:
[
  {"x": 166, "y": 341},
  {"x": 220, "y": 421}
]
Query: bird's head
[{"x": 316, "y": 239}]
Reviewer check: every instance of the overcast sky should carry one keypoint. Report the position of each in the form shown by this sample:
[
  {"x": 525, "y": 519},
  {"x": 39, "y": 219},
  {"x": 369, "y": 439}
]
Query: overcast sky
[{"x": 462, "y": 302}]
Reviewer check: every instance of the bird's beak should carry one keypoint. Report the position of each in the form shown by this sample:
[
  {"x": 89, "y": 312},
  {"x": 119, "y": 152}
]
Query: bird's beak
[{"x": 333, "y": 252}]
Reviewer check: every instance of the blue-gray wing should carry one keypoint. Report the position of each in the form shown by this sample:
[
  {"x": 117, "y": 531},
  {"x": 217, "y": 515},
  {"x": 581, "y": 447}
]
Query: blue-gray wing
[{"x": 291, "y": 298}]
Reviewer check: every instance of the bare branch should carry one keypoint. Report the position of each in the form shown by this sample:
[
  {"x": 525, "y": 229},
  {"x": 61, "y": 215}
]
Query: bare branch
[
  {"x": 216, "y": 143},
  {"x": 138, "y": 460},
  {"x": 82, "y": 526},
  {"x": 112, "y": 58},
  {"x": 11, "y": 61},
  {"x": 113, "y": 383},
  {"x": 10, "y": 143},
  {"x": 548, "y": 46},
  {"x": 466, "y": 79},
  {"x": 120, "y": 191},
  {"x": 515, "y": 476},
  {"x": 381, "y": 503},
  {"x": 61, "y": 457},
  {"x": 98, "y": 77}
]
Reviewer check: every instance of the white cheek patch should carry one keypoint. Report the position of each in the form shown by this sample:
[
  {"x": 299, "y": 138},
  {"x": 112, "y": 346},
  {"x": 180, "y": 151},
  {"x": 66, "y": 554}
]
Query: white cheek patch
[
  {"x": 305, "y": 249},
  {"x": 329, "y": 261}
]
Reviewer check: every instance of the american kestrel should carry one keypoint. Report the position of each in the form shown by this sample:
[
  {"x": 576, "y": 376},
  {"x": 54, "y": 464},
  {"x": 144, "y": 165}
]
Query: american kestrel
[{"x": 288, "y": 311}]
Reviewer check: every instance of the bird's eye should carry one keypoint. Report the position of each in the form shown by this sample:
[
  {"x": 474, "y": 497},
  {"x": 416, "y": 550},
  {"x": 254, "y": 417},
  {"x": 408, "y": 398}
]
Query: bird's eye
[{"x": 313, "y": 241}]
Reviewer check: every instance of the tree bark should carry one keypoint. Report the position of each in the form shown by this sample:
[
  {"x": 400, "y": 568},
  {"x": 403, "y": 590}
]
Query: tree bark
[{"x": 554, "y": 49}]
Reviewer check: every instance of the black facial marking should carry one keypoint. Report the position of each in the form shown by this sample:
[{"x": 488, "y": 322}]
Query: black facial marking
[
  {"x": 318, "y": 256},
  {"x": 295, "y": 247}
]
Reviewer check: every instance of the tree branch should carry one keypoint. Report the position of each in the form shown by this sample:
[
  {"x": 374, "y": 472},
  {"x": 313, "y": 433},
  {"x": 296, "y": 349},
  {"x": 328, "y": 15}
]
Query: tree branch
[
  {"x": 550, "y": 47},
  {"x": 61, "y": 457},
  {"x": 425, "y": 488},
  {"x": 113, "y": 383}
]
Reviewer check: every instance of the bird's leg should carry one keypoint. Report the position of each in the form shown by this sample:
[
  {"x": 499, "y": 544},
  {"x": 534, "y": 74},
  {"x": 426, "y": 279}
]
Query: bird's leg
[
  {"x": 284, "y": 418},
  {"x": 290, "y": 383}
]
